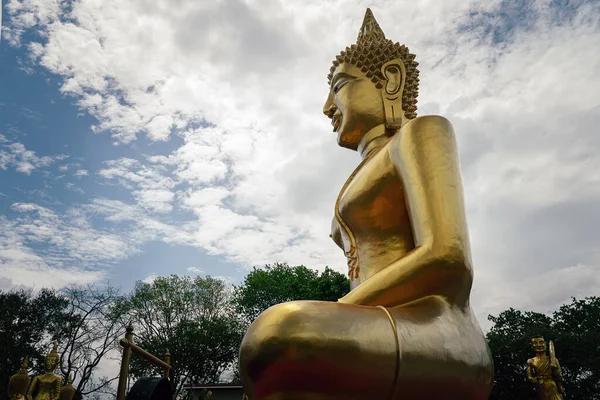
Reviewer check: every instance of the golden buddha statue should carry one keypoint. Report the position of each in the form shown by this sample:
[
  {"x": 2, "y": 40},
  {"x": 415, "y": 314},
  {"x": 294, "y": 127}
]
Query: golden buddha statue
[
  {"x": 18, "y": 383},
  {"x": 406, "y": 330},
  {"x": 544, "y": 371},
  {"x": 47, "y": 386}
]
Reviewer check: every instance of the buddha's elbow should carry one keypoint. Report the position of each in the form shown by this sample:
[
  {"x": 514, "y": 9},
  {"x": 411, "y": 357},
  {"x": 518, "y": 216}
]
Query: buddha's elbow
[
  {"x": 453, "y": 255},
  {"x": 455, "y": 268}
]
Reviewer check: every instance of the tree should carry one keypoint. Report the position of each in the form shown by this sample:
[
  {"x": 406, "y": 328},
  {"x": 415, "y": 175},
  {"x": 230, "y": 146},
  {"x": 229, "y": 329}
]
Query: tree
[
  {"x": 578, "y": 346},
  {"x": 90, "y": 336},
  {"x": 193, "y": 319},
  {"x": 263, "y": 288},
  {"x": 509, "y": 339},
  {"x": 573, "y": 328},
  {"x": 28, "y": 323}
]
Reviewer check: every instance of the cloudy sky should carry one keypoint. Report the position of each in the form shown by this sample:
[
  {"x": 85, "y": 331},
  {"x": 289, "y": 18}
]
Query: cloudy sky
[{"x": 143, "y": 138}]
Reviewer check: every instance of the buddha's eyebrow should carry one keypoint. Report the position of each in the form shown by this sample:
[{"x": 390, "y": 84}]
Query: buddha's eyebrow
[{"x": 339, "y": 76}]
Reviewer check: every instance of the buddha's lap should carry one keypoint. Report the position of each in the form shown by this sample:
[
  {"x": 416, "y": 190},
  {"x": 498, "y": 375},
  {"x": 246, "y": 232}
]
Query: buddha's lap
[{"x": 429, "y": 334}]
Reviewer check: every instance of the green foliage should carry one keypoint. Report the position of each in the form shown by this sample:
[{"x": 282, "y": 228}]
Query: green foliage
[
  {"x": 573, "y": 328},
  {"x": 577, "y": 326},
  {"x": 263, "y": 288},
  {"x": 28, "y": 322},
  {"x": 192, "y": 319},
  {"x": 199, "y": 321}
]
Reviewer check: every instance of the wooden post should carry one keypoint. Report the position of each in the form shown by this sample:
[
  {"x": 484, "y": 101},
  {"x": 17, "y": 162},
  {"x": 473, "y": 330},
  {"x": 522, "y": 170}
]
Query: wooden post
[
  {"x": 167, "y": 370},
  {"x": 126, "y": 343}
]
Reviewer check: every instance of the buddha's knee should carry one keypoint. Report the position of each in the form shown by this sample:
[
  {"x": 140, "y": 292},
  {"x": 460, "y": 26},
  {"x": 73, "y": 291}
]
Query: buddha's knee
[{"x": 273, "y": 336}]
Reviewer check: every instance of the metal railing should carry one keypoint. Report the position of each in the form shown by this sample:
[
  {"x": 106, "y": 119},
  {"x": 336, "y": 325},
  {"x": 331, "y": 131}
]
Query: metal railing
[{"x": 128, "y": 348}]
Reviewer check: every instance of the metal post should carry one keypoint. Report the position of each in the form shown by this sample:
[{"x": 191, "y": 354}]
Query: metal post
[{"x": 126, "y": 343}]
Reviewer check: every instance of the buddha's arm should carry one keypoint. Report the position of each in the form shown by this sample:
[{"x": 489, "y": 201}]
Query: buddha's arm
[
  {"x": 559, "y": 370},
  {"x": 33, "y": 388},
  {"x": 530, "y": 376},
  {"x": 425, "y": 158},
  {"x": 56, "y": 389}
]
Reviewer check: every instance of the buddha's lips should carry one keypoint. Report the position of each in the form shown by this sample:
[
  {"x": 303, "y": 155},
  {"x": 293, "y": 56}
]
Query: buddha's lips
[{"x": 336, "y": 121}]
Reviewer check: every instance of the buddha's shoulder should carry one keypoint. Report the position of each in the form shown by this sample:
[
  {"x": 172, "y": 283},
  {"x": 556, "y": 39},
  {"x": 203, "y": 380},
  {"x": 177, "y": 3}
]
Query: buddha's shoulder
[
  {"x": 428, "y": 126},
  {"x": 424, "y": 131}
]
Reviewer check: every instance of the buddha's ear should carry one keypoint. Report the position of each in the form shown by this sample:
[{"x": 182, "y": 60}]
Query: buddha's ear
[{"x": 394, "y": 73}]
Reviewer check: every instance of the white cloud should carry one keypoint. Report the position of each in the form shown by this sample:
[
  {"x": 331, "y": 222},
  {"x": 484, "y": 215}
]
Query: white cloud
[
  {"x": 242, "y": 84},
  {"x": 28, "y": 14},
  {"x": 22, "y": 160},
  {"x": 74, "y": 188},
  {"x": 149, "y": 185},
  {"x": 40, "y": 247},
  {"x": 81, "y": 172},
  {"x": 150, "y": 278},
  {"x": 21, "y": 266},
  {"x": 195, "y": 270}
]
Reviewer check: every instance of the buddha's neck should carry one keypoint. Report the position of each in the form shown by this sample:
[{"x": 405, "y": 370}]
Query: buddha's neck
[{"x": 373, "y": 140}]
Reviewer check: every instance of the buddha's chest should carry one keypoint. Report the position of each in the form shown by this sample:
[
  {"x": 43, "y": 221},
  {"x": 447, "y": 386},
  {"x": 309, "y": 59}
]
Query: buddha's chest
[
  {"x": 541, "y": 367},
  {"x": 372, "y": 224},
  {"x": 373, "y": 200},
  {"x": 48, "y": 382},
  {"x": 48, "y": 387}
]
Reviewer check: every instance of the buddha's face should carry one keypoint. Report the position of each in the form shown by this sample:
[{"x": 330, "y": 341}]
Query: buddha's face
[
  {"x": 354, "y": 105},
  {"x": 538, "y": 344},
  {"x": 51, "y": 363}
]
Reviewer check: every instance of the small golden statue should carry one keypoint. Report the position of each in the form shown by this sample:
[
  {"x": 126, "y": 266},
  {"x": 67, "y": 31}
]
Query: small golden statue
[
  {"x": 18, "y": 383},
  {"x": 68, "y": 391},
  {"x": 406, "y": 330},
  {"x": 544, "y": 371},
  {"x": 47, "y": 386}
]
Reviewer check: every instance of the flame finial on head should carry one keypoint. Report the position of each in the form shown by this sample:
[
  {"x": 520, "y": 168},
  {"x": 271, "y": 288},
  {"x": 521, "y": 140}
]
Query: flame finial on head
[
  {"x": 54, "y": 351},
  {"x": 370, "y": 28}
]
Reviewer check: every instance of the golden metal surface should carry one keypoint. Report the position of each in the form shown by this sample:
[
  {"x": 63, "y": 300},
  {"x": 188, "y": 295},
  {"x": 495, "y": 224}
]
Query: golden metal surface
[
  {"x": 406, "y": 330},
  {"x": 47, "y": 386},
  {"x": 68, "y": 391},
  {"x": 19, "y": 382},
  {"x": 544, "y": 371}
]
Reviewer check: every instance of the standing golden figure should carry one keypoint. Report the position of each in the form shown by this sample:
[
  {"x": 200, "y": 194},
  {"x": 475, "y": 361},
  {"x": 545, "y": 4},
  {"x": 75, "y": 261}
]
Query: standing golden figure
[
  {"x": 48, "y": 385},
  {"x": 406, "y": 330},
  {"x": 544, "y": 371}
]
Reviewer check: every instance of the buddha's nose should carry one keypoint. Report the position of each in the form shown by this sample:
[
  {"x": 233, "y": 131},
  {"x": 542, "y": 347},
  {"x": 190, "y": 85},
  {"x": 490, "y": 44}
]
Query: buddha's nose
[{"x": 329, "y": 107}]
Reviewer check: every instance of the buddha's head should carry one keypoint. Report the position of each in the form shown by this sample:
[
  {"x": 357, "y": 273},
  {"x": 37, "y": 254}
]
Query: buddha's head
[
  {"x": 52, "y": 358},
  {"x": 538, "y": 344},
  {"x": 372, "y": 82}
]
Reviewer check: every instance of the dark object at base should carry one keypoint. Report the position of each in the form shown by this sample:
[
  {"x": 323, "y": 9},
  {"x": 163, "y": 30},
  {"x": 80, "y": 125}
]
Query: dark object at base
[{"x": 150, "y": 389}]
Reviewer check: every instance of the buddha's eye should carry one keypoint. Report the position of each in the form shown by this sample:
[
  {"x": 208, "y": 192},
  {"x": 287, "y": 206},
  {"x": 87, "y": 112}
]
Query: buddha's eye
[{"x": 339, "y": 85}]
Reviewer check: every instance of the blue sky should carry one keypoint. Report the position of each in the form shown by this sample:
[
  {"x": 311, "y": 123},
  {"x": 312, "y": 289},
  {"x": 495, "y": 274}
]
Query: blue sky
[
  {"x": 34, "y": 113},
  {"x": 142, "y": 139}
]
